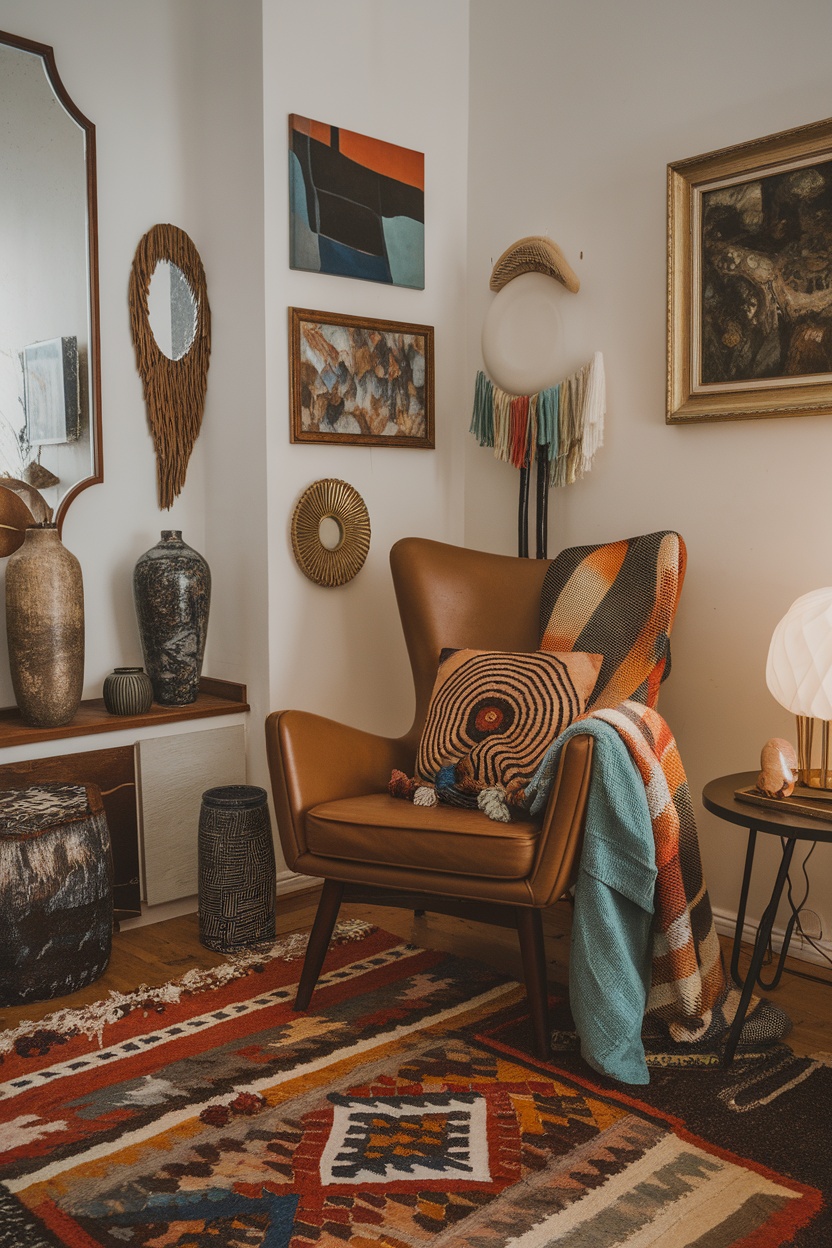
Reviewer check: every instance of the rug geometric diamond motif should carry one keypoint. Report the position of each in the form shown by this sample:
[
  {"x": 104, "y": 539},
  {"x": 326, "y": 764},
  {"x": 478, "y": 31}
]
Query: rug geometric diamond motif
[{"x": 374, "y": 1141}]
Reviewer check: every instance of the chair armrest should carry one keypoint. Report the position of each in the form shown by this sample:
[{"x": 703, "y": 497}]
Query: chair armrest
[
  {"x": 314, "y": 760},
  {"x": 562, "y": 831}
]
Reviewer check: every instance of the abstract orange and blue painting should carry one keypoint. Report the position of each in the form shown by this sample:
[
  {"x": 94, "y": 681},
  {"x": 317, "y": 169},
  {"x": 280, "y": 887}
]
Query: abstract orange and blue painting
[{"x": 356, "y": 205}]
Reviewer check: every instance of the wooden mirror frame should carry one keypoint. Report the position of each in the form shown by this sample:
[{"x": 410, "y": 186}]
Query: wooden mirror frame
[
  {"x": 174, "y": 390},
  {"x": 47, "y": 55}
]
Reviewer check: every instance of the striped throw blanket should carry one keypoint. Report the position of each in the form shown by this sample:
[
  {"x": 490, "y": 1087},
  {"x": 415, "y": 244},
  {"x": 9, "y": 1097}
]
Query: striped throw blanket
[
  {"x": 619, "y": 600},
  {"x": 689, "y": 997},
  {"x": 687, "y": 979}
]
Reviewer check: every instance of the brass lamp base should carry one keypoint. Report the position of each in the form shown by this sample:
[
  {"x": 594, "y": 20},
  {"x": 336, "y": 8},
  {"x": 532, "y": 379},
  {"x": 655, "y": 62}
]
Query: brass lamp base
[{"x": 813, "y": 777}]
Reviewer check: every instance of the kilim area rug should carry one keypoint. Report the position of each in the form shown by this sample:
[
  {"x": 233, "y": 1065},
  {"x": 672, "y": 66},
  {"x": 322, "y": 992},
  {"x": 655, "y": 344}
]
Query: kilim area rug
[{"x": 403, "y": 1110}]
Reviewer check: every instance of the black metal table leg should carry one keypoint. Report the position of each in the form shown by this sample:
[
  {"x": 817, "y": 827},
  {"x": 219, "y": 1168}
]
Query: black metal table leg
[
  {"x": 760, "y": 945},
  {"x": 746, "y": 880}
]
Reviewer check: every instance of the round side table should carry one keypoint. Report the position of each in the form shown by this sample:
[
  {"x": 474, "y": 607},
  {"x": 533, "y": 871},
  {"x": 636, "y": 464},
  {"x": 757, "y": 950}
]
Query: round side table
[{"x": 790, "y": 826}]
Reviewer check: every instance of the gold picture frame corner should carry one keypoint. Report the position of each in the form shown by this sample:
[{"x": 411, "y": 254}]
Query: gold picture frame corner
[{"x": 801, "y": 157}]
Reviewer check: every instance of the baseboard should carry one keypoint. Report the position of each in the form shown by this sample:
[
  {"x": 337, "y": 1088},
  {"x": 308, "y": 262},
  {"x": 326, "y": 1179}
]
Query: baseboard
[
  {"x": 726, "y": 923},
  {"x": 287, "y": 882}
]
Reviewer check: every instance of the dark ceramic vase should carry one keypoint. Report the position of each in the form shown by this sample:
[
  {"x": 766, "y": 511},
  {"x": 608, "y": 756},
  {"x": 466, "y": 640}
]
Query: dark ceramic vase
[
  {"x": 45, "y": 628},
  {"x": 128, "y": 691},
  {"x": 172, "y": 591}
]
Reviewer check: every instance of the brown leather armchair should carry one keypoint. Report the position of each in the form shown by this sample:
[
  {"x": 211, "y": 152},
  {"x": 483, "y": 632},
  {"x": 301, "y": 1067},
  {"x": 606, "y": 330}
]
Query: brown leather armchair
[{"x": 337, "y": 821}]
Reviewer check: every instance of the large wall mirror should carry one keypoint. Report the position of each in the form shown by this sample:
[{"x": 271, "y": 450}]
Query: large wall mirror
[{"x": 50, "y": 381}]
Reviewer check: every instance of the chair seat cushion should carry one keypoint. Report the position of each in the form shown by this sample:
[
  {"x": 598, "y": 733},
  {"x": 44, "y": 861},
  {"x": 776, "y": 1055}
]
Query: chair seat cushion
[{"x": 378, "y": 829}]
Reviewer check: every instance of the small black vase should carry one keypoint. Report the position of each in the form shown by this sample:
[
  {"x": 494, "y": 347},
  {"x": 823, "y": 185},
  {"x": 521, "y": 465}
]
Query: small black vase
[
  {"x": 172, "y": 592},
  {"x": 128, "y": 691}
]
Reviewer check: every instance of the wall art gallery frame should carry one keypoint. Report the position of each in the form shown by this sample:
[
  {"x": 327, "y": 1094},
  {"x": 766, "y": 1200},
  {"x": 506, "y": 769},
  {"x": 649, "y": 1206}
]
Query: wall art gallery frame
[
  {"x": 361, "y": 381},
  {"x": 749, "y": 248}
]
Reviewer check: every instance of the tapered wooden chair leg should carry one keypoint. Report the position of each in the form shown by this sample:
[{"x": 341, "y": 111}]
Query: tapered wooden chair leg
[
  {"x": 533, "y": 951},
  {"x": 319, "y": 937}
]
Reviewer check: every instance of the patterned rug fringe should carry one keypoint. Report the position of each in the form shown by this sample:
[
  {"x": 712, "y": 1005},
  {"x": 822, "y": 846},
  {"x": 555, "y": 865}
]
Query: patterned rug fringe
[{"x": 91, "y": 1020}]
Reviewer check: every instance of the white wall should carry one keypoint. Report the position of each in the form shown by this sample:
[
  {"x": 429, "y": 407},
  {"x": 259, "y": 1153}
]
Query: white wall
[
  {"x": 400, "y": 74},
  {"x": 178, "y": 121},
  {"x": 575, "y": 112},
  {"x": 190, "y": 99},
  {"x": 174, "y": 91}
]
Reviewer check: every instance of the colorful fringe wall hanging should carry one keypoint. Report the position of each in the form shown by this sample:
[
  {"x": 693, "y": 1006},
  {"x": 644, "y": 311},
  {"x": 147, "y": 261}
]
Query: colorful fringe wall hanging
[
  {"x": 560, "y": 429},
  {"x": 563, "y": 424}
]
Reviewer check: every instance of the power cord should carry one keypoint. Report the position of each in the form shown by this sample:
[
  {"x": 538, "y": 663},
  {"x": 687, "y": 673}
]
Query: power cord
[{"x": 794, "y": 924}]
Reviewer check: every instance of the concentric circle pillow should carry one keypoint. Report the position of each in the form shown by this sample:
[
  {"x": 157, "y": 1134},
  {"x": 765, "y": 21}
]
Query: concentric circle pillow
[{"x": 502, "y": 711}]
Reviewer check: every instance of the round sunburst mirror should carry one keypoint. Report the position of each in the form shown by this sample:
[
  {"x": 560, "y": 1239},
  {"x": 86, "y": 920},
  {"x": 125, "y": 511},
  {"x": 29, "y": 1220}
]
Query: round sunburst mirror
[{"x": 330, "y": 532}]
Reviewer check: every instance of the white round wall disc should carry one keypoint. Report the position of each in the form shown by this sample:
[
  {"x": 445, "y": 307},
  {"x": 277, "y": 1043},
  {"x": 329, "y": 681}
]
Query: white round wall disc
[{"x": 522, "y": 334}]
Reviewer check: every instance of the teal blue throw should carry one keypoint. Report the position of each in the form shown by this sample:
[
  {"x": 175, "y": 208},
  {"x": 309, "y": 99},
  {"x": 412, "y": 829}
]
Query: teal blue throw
[{"x": 611, "y": 950}]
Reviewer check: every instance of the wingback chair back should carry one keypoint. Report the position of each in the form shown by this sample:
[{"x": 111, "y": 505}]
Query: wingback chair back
[
  {"x": 449, "y": 596},
  {"x": 335, "y": 815}
]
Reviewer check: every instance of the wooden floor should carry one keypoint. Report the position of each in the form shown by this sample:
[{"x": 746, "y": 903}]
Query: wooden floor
[{"x": 155, "y": 954}]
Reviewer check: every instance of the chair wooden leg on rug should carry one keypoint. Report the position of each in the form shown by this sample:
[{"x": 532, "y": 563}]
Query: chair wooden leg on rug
[
  {"x": 533, "y": 952},
  {"x": 325, "y": 917}
]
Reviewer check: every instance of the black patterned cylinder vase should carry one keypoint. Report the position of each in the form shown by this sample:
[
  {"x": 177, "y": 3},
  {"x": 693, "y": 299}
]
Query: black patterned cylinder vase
[
  {"x": 172, "y": 592},
  {"x": 236, "y": 868},
  {"x": 128, "y": 691}
]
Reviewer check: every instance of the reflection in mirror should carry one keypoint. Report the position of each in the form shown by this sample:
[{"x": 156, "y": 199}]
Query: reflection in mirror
[
  {"x": 171, "y": 309},
  {"x": 50, "y": 430},
  {"x": 330, "y": 532}
]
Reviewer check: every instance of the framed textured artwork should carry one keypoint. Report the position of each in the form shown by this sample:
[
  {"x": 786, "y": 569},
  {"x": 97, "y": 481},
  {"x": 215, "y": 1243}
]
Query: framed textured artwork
[
  {"x": 357, "y": 380},
  {"x": 356, "y": 205},
  {"x": 50, "y": 387},
  {"x": 750, "y": 279}
]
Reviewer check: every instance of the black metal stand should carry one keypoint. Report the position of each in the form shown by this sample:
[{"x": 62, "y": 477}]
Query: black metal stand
[
  {"x": 542, "y": 501},
  {"x": 523, "y": 515},
  {"x": 542, "y": 506}
]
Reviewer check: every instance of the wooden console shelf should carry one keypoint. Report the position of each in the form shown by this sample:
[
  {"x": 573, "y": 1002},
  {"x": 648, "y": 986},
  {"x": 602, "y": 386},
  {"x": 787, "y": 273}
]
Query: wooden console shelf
[{"x": 216, "y": 697}]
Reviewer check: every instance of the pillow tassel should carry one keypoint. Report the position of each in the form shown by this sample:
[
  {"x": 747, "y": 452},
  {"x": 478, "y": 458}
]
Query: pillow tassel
[{"x": 492, "y": 802}]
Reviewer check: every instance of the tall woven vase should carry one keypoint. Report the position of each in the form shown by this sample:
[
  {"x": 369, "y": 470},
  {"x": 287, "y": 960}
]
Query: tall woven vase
[
  {"x": 172, "y": 592},
  {"x": 45, "y": 628}
]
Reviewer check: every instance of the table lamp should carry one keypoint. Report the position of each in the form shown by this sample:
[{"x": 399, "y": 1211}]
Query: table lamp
[{"x": 799, "y": 675}]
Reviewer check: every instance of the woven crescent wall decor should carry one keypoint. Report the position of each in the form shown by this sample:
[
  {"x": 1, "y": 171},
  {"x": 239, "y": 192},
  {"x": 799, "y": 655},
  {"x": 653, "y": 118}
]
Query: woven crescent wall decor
[
  {"x": 534, "y": 254},
  {"x": 330, "y": 499},
  {"x": 174, "y": 389}
]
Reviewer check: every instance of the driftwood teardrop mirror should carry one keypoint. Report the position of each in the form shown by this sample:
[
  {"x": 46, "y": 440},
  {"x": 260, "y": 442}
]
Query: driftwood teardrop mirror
[{"x": 171, "y": 324}]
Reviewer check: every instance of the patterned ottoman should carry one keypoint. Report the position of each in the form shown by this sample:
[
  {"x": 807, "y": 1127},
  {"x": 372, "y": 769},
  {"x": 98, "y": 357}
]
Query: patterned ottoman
[{"x": 56, "y": 896}]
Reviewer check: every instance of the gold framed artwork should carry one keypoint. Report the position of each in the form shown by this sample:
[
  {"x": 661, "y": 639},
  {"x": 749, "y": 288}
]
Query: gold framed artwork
[
  {"x": 749, "y": 325},
  {"x": 357, "y": 380}
]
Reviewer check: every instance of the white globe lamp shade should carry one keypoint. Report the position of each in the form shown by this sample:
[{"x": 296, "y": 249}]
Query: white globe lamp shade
[{"x": 799, "y": 666}]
